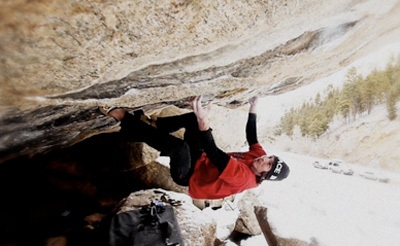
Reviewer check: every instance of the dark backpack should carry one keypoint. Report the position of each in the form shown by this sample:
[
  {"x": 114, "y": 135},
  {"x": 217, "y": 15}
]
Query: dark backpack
[{"x": 152, "y": 225}]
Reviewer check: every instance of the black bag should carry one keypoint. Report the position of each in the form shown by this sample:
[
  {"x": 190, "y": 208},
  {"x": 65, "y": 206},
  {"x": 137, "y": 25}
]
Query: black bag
[{"x": 152, "y": 225}]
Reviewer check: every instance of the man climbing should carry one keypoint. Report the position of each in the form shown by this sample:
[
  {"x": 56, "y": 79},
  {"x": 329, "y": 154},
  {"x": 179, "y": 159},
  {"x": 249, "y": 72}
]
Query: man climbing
[{"x": 195, "y": 160}]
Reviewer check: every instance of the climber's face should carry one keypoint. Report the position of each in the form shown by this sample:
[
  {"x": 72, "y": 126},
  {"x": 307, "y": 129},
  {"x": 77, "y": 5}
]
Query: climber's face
[{"x": 262, "y": 164}]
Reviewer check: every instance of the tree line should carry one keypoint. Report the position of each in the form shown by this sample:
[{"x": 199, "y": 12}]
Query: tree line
[{"x": 358, "y": 96}]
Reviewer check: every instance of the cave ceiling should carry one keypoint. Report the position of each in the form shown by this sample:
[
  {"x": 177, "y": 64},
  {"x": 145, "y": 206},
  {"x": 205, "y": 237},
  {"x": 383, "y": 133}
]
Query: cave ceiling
[{"x": 61, "y": 60}]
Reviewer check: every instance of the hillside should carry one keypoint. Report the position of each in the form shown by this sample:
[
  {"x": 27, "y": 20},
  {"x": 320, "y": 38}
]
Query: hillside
[{"x": 369, "y": 140}]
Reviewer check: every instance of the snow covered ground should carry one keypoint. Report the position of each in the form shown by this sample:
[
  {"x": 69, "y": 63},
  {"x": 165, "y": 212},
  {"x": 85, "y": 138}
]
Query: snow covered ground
[{"x": 334, "y": 209}]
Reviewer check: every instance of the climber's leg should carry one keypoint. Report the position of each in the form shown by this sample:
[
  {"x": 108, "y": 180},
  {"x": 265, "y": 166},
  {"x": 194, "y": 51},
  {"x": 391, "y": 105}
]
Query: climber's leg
[
  {"x": 176, "y": 122},
  {"x": 135, "y": 130},
  {"x": 188, "y": 121}
]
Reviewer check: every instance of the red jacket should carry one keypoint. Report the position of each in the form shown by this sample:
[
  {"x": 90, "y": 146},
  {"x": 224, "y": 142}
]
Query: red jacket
[{"x": 207, "y": 183}]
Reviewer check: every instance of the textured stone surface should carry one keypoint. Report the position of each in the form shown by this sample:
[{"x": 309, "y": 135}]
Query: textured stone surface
[
  {"x": 59, "y": 60},
  {"x": 247, "y": 222}
]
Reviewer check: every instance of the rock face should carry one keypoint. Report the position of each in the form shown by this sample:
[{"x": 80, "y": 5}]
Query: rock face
[{"x": 60, "y": 60}]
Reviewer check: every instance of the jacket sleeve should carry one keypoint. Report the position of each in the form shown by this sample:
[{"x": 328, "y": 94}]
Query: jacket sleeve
[
  {"x": 218, "y": 157},
  {"x": 251, "y": 129}
]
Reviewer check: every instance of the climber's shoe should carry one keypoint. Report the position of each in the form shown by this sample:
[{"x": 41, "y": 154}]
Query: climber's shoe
[{"x": 106, "y": 110}]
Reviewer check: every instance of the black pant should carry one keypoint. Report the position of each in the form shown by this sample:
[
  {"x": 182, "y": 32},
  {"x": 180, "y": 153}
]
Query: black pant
[{"x": 183, "y": 153}]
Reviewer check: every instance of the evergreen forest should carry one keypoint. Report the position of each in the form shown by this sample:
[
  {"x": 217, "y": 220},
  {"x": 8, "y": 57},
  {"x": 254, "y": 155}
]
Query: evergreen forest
[{"x": 356, "y": 97}]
